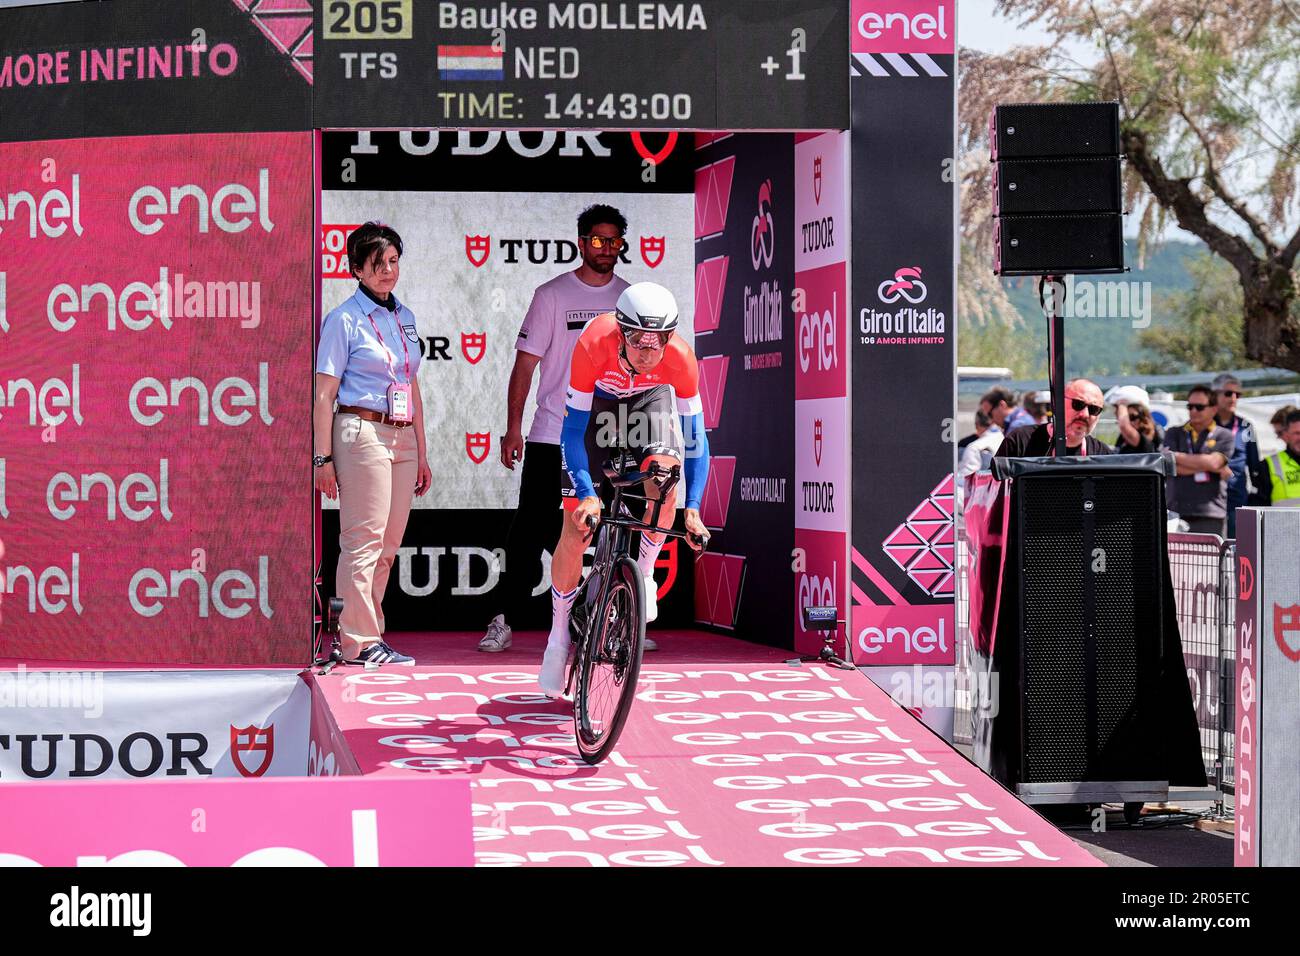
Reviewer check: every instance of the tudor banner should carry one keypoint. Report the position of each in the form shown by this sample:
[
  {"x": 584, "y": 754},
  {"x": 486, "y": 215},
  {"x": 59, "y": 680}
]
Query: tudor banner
[
  {"x": 904, "y": 205},
  {"x": 486, "y": 217},
  {"x": 155, "y": 369},
  {"x": 124, "y": 725}
]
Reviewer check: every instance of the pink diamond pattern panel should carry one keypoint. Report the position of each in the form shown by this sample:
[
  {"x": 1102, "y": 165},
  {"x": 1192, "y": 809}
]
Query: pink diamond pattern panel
[
  {"x": 713, "y": 197},
  {"x": 710, "y": 284},
  {"x": 717, "y": 490},
  {"x": 717, "y": 588},
  {"x": 285, "y": 32},
  {"x": 923, "y": 545},
  {"x": 288, "y": 25},
  {"x": 713, "y": 385},
  {"x": 281, "y": 6}
]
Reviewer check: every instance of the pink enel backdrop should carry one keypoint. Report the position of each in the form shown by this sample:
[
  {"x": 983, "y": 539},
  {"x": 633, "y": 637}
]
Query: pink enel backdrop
[{"x": 240, "y": 526}]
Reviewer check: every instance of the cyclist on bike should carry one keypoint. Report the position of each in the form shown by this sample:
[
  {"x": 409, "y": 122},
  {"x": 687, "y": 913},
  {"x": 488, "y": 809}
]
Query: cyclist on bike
[{"x": 634, "y": 385}]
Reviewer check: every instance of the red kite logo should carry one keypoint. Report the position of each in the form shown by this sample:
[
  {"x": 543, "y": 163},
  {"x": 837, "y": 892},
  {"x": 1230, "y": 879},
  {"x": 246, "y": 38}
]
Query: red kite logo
[
  {"x": 472, "y": 346},
  {"x": 250, "y": 740},
  {"x": 1245, "y": 578},
  {"x": 654, "y": 159},
  {"x": 477, "y": 249},
  {"x": 1286, "y": 621},
  {"x": 817, "y": 441},
  {"x": 652, "y": 250},
  {"x": 667, "y": 560},
  {"x": 817, "y": 179},
  {"x": 477, "y": 445}
]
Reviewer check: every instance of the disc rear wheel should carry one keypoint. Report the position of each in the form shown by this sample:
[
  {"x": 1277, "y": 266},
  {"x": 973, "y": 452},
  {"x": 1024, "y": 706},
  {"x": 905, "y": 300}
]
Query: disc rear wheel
[{"x": 610, "y": 663}]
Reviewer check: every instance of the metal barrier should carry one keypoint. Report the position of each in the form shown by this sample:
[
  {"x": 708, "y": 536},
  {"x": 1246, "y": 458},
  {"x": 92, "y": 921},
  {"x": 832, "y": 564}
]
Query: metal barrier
[{"x": 1201, "y": 567}]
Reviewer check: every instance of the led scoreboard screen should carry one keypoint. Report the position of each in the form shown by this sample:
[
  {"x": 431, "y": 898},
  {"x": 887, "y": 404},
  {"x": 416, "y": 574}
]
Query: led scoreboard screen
[{"x": 718, "y": 64}]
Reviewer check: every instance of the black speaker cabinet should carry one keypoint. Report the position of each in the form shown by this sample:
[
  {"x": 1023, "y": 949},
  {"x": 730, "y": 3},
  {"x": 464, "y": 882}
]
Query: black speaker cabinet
[
  {"x": 1055, "y": 186},
  {"x": 1054, "y": 130},
  {"x": 1058, "y": 245},
  {"x": 1087, "y": 651}
]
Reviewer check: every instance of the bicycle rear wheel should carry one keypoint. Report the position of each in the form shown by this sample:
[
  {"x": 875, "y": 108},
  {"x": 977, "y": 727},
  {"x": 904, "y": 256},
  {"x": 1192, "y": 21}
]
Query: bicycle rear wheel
[{"x": 610, "y": 662}]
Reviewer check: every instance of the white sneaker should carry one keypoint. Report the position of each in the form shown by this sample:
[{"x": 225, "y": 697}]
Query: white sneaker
[
  {"x": 651, "y": 601},
  {"x": 497, "y": 637},
  {"x": 554, "y": 664}
]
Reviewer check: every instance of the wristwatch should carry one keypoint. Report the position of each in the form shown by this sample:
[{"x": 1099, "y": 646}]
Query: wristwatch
[{"x": 319, "y": 460}]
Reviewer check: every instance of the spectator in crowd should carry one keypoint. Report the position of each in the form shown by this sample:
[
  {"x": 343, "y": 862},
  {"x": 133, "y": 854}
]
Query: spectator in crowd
[
  {"x": 999, "y": 403},
  {"x": 560, "y": 308},
  {"x": 979, "y": 452},
  {"x": 1138, "y": 432},
  {"x": 1039, "y": 405},
  {"x": 370, "y": 451},
  {"x": 1280, "y": 477},
  {"x": 1244, "y": 459},
  {"x": 1202, "y": 449},
  {"x": 1278, "y": 421},
  {"x": 982, "y": 423},
  {"x": 1083, "y": 407}
]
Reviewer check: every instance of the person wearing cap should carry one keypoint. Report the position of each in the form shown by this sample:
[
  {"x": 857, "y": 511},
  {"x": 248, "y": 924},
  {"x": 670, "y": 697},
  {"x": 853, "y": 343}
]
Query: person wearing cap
[
  {"x": 1201, "y": 449},
  {"x": 1039, "y": 405},
  {"x": 1244, "y": 462},
  {"x": 1280, "y": 480},
  {"x": 1138, "y": 431},
  {"x": 561, "y": 307},
  {"x": 370, "y": 450},
  {"x": 1083, "y": 408}
]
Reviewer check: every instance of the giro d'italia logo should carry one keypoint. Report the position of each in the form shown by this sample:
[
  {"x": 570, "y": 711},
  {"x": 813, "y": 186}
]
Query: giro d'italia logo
[
  {"x": 763, "y": 233},
  {"x": 906, "y": 284}
]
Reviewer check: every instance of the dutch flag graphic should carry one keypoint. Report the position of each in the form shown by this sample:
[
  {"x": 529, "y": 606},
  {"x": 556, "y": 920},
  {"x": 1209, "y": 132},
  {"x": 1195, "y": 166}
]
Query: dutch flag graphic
[{"x": 470, "y": 63}]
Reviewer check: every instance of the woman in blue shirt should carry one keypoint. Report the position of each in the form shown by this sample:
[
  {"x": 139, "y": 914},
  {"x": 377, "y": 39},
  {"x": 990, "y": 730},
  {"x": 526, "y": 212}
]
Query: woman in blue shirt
[{"x": 370, "y": 452}]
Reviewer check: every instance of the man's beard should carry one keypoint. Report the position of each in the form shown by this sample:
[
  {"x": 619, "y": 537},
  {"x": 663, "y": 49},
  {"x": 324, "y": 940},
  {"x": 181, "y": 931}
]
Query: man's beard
[{"x": 601, "y": 265}]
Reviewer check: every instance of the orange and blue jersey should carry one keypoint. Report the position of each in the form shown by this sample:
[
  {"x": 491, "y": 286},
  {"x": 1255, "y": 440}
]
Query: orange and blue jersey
[{"x": 597, "y": 368}]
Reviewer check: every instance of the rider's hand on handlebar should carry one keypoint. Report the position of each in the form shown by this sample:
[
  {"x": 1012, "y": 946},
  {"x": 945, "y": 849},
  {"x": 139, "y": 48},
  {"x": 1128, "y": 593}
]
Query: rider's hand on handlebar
[{"x": 587, "y": 515}]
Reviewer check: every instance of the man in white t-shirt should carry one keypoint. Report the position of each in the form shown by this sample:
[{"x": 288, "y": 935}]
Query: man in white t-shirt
[{"x": 559, "y": 311}]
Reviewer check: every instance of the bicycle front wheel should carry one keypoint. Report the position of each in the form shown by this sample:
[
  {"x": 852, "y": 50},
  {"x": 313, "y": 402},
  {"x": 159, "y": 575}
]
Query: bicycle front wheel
[{"x": 610, "y": 662}]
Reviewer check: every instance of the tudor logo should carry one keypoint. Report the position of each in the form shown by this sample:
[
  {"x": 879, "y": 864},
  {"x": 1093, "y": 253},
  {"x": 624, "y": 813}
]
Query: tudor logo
[
  {"x": 817, "y": 440},
  {"x": 652, "y": 250},
  {"x": 906, "y": 284},
  {"x": 477, "y": 249},
  {"x": 654, "y": 159},
  {"x": 667, "y": 561},
  {"x": 1245, "y": 579},
  {"x": 477, "y": 446},
  {"x": 252, "y": 740},
  {"x": 763, "y": 233},
  {"x": 817, "y": 179},
  {"x": 472, "y": 346},
  {"x": 1286, "y": 630}
]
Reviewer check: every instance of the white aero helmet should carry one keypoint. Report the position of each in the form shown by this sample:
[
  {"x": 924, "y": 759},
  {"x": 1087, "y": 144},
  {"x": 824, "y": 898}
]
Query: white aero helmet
[{"x": 647, "y": 307}]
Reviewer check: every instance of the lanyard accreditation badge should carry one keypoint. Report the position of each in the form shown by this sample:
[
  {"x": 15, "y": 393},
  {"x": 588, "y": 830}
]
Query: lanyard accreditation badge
[{"x": 399, "y": 393}]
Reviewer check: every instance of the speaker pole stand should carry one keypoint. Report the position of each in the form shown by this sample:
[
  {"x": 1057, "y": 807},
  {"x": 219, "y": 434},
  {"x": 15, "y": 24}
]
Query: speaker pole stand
[{"x": 1055, "y": 356}]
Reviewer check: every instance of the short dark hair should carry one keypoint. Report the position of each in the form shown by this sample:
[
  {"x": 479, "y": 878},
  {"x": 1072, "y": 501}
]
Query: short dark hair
[
  {"x": 370, "y": 240},
  {"x": 595, "y": 215},
  {"x": 1204, "y": 389},
  {"x": 982, "y": 420},
  {"x": 1280, "y": 416},
  {"x": 998, "y": 394},
  {"x": 1292, "y": 417}
]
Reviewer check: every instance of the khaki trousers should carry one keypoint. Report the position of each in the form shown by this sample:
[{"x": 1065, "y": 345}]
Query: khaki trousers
[{"x": 376, "y": 468}]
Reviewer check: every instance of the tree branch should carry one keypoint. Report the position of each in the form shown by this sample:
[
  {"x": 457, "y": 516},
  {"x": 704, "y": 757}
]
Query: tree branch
[
  {"x": 1289, "y": 252},
  {"x": 1216, "y": 186},
  {"x": 1176, "y": 195}
]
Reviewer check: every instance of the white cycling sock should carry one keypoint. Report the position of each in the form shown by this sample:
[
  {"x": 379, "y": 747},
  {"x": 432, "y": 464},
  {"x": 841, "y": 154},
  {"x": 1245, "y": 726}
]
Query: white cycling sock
[
  {"x": 651, "y": 544},
  {"x": 561, "y": 603}
]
